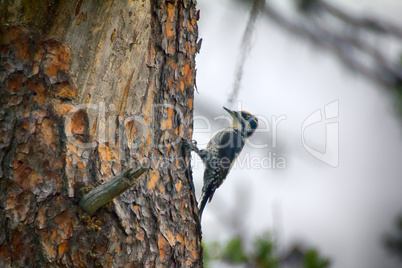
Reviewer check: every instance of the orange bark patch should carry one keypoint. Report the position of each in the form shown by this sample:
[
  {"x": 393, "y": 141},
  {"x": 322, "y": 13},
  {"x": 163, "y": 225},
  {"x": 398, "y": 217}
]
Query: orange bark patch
[
  {"x": 65, "y": 222},
  {"x": 35, "y": 69},
  {"x": 35, "y": 178},
  {"x": 171, "y": 238},
  {"x": 182, "y": 206},
  {"x": 190, "y": 48},
  {"x": 170, "y": 82},
  {"x": 171, "y": 49},
  {"x": 39, "y": 89},
  {"x": 172, "y": 64},
  {"x": 169, "y": 147},
  {"x": 62, "y": 248},
  {"x": 181, "y": 85},
  {"x": 19, "y": 160},
  {"x": 136, "y": 208},
  {"x": 190, "y": 26},
  {"x": 193, "y": 249},
  {"x": 169, "y": 31},
  {"x": 58, "y": 59},
  {"x": 78, "y": 121},
  {"x": 162, "y": 246},
  {"x": 47, "y": 131},
  {"x": 80, "y": 165},
  {"x": 180, "y": 239},
  {"x": 117, "y": 167},
  {"x": 148, "y": 140},
  {"x": 170, "y": 112},
  {"x": 178, "y": 186},
  {"x": 62, "y": 109},
  {"x": 187, "y": 73},
  {"x": 190, "y": 103},
  {"x": 107, "y": 153},
  {"x": 140, "y": 236},
  {"x": 168, "y": 122},
  {"x": 153, "y": 178},
  {"x": 105, "y": 170},
  {"x": 64, "y": 91}
]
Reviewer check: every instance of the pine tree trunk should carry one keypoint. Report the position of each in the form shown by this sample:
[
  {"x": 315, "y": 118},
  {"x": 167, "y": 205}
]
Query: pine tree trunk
[{"x": 88, "y": 89}]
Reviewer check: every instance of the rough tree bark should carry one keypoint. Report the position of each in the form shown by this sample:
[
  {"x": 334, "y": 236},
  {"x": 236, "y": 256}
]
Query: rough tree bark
[{"x": 87, "y": 89}]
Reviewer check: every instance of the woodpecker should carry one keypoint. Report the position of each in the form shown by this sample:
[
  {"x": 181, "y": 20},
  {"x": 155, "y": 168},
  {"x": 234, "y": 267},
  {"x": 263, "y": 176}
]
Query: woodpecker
[{"x": 221, "y": 152}]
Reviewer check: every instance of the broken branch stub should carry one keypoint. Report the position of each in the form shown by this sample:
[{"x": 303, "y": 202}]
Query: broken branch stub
[{"x": 105, "y": 193}]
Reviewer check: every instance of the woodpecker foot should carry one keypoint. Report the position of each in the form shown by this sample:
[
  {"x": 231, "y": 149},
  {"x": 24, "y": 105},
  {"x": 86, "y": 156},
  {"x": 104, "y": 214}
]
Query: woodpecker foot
[{"x": 192, "y": 145}]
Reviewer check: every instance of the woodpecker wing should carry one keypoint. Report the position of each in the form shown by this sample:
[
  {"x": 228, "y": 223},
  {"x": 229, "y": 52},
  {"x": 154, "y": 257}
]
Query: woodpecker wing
[{"x": 225, "y": 146}]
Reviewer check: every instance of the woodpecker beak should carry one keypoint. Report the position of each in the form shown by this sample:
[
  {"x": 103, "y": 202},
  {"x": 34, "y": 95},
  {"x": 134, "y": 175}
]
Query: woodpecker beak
[{"x": 232, "y": 113}]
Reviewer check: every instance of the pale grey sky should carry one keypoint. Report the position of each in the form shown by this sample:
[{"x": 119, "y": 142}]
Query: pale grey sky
[{"x": 342, "y": 211}]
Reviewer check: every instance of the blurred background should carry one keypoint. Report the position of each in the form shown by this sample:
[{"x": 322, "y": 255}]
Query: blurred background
[{"x": 280, "y": 205}]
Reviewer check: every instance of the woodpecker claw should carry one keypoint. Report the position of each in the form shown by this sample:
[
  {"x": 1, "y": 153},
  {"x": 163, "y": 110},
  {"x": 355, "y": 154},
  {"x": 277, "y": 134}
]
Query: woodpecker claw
[
  {"x": 191, "y": 145},
  {"x": 194, "y": 143}
]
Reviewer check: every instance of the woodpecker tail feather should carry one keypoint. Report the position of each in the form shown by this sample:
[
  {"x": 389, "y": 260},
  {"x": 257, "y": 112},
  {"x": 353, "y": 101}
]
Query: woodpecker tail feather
[
  {"x": 205, "y": 198},
  {"x": 203, "y": 201}
]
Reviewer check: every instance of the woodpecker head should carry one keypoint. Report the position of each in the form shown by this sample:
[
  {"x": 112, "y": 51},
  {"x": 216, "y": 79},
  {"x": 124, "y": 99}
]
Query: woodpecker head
[{"x": 244, "y": 121}]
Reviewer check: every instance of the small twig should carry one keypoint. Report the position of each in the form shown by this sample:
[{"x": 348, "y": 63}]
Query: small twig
[
  {"x": 367, "y": 23},
  {"x": 105, "y": 193},
  {"x": 352, "y": 50}
]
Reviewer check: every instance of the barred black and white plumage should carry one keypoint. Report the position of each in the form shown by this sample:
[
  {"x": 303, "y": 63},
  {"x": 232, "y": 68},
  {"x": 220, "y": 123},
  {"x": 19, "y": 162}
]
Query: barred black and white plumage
[{"x": 221, "y": 152}]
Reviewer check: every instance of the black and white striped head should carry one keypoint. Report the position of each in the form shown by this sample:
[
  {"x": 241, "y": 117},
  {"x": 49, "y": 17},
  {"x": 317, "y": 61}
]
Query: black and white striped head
[{"x": 243, "y": 121}]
